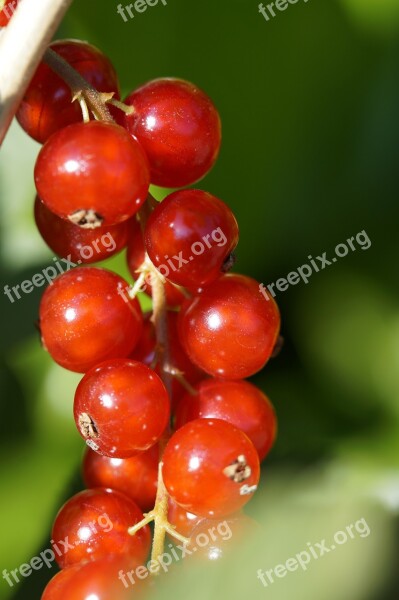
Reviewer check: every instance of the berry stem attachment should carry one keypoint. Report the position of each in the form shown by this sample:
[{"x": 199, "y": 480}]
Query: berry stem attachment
[
  {"x": 159, "y": 308},
  {"x": 128, "y": 110},
  {"x": 160, "y": 516},
  {"x": 161, "y": 523},
  {"x": 159, "y": 317},
  {"x": 83, "y": 106},
  {"x": 80, "y": 88},
  {"x": 136, "y": 288},
  {"x": 179, "y": 376}
]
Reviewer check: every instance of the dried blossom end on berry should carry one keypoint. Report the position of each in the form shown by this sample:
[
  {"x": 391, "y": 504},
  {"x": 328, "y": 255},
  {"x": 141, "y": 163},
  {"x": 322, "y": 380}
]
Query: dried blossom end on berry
[
  {"x": 238, "y": 470},
  {"x": 87, "y": 426},
  {"x": 87, "y": 219}
]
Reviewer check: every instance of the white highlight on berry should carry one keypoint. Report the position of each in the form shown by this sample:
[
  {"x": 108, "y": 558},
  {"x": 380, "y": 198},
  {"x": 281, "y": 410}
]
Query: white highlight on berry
[
  {"x": 194, "y": 463},
  {"x": 70, "y": 314},
  {"x": 247, "y": 489},
  {"x": 92, "y": 445}
]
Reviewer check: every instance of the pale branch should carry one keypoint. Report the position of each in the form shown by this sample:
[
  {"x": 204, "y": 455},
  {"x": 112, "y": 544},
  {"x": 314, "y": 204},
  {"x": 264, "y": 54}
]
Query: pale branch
[{"x": 22, "y": 45}]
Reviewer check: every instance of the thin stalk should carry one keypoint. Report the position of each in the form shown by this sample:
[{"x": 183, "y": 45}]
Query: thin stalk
[{"x": 80, "y": 88}]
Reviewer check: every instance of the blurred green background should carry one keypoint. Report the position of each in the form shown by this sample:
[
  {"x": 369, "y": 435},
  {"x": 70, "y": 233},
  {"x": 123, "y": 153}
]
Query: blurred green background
[{"x": 309, "y": 105}]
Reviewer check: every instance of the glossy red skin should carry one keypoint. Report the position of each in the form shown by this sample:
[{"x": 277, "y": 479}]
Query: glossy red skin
[
  {"x": 238, "y": 402},
  {"x": 96, "y": 522},
  {"x": 144, "y": 350},
  {"x": 230, "y": 329},
  {"x": 128, "y": 404},
  {"x": 84, "y": 320},
  {"x": 64, "y": 238},
  {"x": 185, "y": 522},
  {"x": 92, "y": 166},
  {"x": 135, "y": 257},
  {"x": 209, "y": 446},
  {"x": 185, "y": 225},
  {"x": 99, "y": 580},
  {"x": 136, "y": 476},
  {"x": 179, "y": 129},
  {"x": 46, "y": 106},
  {"x": 7, "y": 12}
]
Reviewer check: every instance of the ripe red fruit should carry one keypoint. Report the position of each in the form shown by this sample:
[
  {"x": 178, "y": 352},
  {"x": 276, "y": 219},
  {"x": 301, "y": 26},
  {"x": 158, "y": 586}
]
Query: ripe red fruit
[
  {"x": 93, "y": 524},
  {"x": 189, "y": 236},
  {"x": 230, "y": 329},
  {"x": 179, "y": 129},
  {"x": 144, "y": 350},
  {"x": 136, "y": 476},
  {"x": 103, "y": 579},
  {"x": 184, "y": 521},
  {"x": 85, "y": 319},
  {"x": 238, "y": 402},
  {"x": 92, "y": 174},
  {"x": 135, "y": 258},
  {"x": 84, "y": 245},
  {"x": 47, "y": 103},
  {"x": 121, "y": 408},
  {"x": 210, "y": 468}
]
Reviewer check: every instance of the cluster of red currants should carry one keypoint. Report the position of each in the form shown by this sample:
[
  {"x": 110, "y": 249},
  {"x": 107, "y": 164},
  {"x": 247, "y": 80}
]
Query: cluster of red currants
[{"x": 163, "y": 405}]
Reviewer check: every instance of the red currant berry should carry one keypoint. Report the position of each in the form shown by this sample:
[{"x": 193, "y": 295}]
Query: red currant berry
[
  {"x": 85, "y": 318},
  {"x": 94, "y": 524},
  {"x": 179, "y": 129},
  {"x": 121, "y": 408},
  {"x": 184, "y": 521},
  {"x": 135, "y": 258},
  {"x": 144, "y": 351},
  {"x": 238, "y": 402},
  {"x": 189, "y": 236},
  {"x": 79, "y": 244},
  {"x": 46, "y": 106},
  {"x": 7, "y": 12},
  {"x": 230, "y": 329},
  {"x": 103, "y": 579},
  {"x": 92, "y": 174},
  {"x": 136, "y": 476},
  {"x": 210, "y": 468}
]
